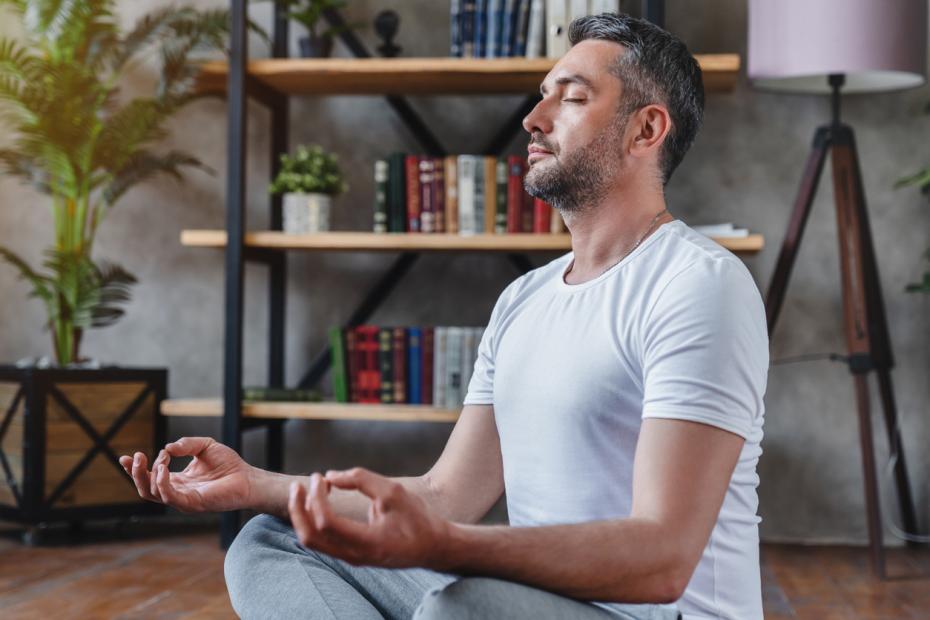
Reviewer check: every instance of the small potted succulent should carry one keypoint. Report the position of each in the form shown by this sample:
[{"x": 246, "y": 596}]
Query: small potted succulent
[
  {"x": 308, "y": 179},
  {"x": 310, "y": 13}
]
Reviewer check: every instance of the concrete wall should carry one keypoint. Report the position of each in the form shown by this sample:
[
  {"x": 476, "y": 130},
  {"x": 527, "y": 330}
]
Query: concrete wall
[{"x": 744, "y": 168}]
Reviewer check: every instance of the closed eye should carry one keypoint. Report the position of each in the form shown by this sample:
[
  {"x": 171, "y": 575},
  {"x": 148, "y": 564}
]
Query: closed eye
[{"x": 574, "y": 100}]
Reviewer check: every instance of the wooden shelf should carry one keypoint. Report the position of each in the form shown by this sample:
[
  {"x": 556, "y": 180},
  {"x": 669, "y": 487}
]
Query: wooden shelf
[
  {"x": 213, "y": 407},
  {"x": 421, "y": 76},
  {"x": 414, "y": 242}
]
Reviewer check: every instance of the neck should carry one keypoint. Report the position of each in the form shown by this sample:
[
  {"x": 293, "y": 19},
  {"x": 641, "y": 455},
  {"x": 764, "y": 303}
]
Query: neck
[{"x": 603, "y": 233}]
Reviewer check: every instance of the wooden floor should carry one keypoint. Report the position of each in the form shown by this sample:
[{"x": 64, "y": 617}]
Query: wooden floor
[{"x": 150, "y": 571}]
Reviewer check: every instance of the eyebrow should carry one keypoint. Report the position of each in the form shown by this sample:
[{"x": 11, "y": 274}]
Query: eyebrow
[{"x": 573, "y": 78}]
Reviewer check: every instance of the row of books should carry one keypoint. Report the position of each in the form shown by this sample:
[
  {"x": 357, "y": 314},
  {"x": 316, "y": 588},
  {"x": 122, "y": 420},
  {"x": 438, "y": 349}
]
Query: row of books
[
  {"x": 412, "y": 365},
  {"x": 506, "y": 28},
  {"x": 463, "y": 194}
]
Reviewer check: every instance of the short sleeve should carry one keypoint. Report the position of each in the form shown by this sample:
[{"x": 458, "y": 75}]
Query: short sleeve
[
  {"x": 481, "y": 385},
  {"x": 705, "y": 349}
]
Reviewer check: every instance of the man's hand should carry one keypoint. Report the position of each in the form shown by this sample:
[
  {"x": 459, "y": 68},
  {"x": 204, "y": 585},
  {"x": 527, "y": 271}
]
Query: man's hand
[
  {"x": 216, "y": 480},
  {"x": 401, "y": 530}
]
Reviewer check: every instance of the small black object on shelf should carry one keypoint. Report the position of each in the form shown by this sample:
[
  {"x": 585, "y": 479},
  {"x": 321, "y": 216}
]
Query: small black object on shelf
[{"x": 386, "y": 24}]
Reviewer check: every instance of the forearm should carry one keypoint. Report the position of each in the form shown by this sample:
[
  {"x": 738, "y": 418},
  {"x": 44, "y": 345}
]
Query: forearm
[
  {"x": 270, "y": 491},
  {"x": 633, "y": 560}
]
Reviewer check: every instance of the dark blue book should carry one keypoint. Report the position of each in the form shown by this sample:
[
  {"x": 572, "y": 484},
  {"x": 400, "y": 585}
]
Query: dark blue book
[
  {"x": 481, "y": 28},
  {"x": 455, "y": 28},
  {"x": 495, "y": 28},
  {"x": 522, "y": 25},
  {"x": 467, "y": 28},
  {"x": 509, "y": 24},
  {"x": 414, "y": 368},
  {"x": 397, "y": 193}
]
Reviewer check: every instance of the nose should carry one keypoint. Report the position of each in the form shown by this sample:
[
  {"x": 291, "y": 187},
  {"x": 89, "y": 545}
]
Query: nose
[{"x": 538, "y": 120}]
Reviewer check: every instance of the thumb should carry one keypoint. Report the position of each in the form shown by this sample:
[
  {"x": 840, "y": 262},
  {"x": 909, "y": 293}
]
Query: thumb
[{"x": 188, "y": 446}]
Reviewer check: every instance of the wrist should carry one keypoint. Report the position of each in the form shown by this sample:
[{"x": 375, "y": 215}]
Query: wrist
[
  {"x": 267, "y": 491},
  {"x": 450, "y": 552}
]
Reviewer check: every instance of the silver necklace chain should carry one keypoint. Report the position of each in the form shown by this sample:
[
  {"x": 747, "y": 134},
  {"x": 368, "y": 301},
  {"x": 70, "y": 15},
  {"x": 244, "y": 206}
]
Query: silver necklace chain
[{"x": 635, "y": 245}]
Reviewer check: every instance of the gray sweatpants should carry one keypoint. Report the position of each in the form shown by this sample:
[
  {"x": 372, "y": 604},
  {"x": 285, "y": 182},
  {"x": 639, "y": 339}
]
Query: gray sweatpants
[{"x": 269, "y": 574}]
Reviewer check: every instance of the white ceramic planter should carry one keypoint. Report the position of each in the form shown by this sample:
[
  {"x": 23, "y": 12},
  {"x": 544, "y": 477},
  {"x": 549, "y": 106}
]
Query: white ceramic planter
[{"x": 306, "y": 213}]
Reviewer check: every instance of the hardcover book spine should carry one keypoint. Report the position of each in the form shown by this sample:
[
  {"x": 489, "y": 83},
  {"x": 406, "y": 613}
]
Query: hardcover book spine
[
  {"x": 411, "y": 166},
  {"x": 369, "y": 370},
  {"x": 468, "y": 28},
  {"x": 399, "y": 349},
  {"x": 381, "y": 192},
  {"x": 439, "y": 367},
  {"x": 439, "y": 195},
  {"x": 536, "y": 33},
  {"x": 414, "y": 366},
  {"x": 500, "y": 196},
  {"x": 478, "y": 223},
  {"x": 490, "y": 194},
  {"x": 386, "y": 365},
  {"x": 542, "y": 216},
  {"x": 452, "y": 194},
  {"x": 527, "y": 210},
  {"x": 469, "y": 348},
  {"x": 397, "y": 193},
  {"x": 453, "y": 374},
  {"x": 427, "y": 215},
  {"x": 495, "y": 15},
  {"x": 338, "y": 373},
  {"x": 426, "y": 367},
  {"x": 352, "y": 357},
  {"x": 515, "y": 172},
  {"x": 466, "y": 176},
  {"x": 455, "y": 34},
  {"x": 481, "y": 27},
  {"x": 556, "y": 28},
  {"x": 523, "y": 22},
  {"x": 507, "y": 38}
]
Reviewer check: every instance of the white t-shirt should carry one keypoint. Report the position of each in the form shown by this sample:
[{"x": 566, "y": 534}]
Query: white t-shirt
[{"x": 675, "y": 330}]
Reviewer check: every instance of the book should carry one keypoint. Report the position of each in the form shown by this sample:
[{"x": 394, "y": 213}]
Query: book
[
  {"x": 466, "y": 194},
  {"x": 521, "y": 28},
  {"x": 478, "y": 223},
  {"x": 481, "y": 26},
  {"x": 500, "y": 196},
  {"x": 455, "y": 23},
  {"x": 412, "y": 173},
  {"x": 426, "y": 366},
  {"x": 469, "y": 351},
  {"x": 542, "y": 216},
  {"x": 452, "y": 193},
  {"x": 397, "y": 193},
  {"x": 556, "y": 28},
  {"x": 467, "y": 28},
  {"x": 439, "y": 195},
  {"x": 399, "y": 351},
  {"x": 516, "y": 169},
  {"x": 511, "y": 8},
  {"x": 369, "y": 371},
  {"x": 381, "y": 189},
  {"x": 603, "y": 6},
  {"x": 414, "y": 365},
  {"x": 427, "y": 215},
  {"x": 495, "y": 28},
  {"x": 386, "y": 364},
  {"x": 352, "y": 362},
  {"x": 278, "y": 394},
  {"x": 490, "y": 194},
  {"x": 527, "y": 207},
  {"x": 338, "y": 368},
  {"x": 453, "y": 370},
  {"x": 725, "y": 229},
  {"x": 439, "y": 366},
  {"x": 536, "y": 31}
]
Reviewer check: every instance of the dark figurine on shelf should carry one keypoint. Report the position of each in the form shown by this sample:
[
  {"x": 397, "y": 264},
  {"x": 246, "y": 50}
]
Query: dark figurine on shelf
[{"x": 386, "y": 24}]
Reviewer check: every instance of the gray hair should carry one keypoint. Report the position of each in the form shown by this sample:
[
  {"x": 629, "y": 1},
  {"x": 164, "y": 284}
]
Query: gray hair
[{"x": 655, "y": 68}]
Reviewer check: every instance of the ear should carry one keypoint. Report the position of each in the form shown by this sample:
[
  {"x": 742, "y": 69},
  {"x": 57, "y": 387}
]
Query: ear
[{"x": 649, "y": 127}]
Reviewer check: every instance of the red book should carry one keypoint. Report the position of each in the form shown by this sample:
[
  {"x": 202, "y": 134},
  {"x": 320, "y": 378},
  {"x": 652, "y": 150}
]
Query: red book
[
  {"x": 399, "y": 348},
  {"x": 427, "y": 200},
  {"x": 352, "y": 362},
  {"x": 439, "y": 194},
  {"x": 516, "y": 169},
  {"x": 426, "y": 367},
  {"x": 369, "y": 372},
  {"x": 542, "y": 216},
  {"x": 411, "y": 167}
]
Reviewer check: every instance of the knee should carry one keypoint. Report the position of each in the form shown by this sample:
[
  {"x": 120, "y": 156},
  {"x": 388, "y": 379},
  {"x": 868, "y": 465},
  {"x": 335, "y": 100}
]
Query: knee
[
  {"x": 245, "y": 555},
  {"x": 460, "y": 600}
]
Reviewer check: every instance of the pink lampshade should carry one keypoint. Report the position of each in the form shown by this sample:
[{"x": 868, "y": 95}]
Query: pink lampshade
[{"x": 879, "y": 45}]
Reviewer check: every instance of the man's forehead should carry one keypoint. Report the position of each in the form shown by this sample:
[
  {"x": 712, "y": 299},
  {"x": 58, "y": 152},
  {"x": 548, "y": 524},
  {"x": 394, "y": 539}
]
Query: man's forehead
[{"x": 587, "y": 63}]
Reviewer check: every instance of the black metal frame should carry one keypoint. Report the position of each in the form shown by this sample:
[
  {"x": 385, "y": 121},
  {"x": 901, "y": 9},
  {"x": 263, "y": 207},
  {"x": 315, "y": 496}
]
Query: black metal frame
[
  {"x": 36, "y": 386},
  {"x": 236, "y": 252}
]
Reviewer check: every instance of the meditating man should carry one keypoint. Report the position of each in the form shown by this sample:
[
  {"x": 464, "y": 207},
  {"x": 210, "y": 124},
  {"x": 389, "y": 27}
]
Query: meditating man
[{"x": 616, "y": 402}]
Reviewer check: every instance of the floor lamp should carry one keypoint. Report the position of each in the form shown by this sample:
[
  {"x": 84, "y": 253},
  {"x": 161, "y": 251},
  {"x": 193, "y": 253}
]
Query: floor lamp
[{"x": 832, "y": 47}]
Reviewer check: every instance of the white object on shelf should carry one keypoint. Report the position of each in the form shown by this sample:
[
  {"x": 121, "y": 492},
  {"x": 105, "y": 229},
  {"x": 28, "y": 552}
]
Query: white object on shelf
[
  {"x": 306, "y": 213},
  {"x": 721, "y": 230}
]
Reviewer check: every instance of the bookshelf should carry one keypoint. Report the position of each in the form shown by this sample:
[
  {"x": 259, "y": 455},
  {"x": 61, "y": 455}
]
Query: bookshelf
[
  {"x": 272, "y": 82},
  {"x": 414, "y": 242}
]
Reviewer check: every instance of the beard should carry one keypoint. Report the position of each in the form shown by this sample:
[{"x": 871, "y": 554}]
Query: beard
[{"x": 582, "y": 178}]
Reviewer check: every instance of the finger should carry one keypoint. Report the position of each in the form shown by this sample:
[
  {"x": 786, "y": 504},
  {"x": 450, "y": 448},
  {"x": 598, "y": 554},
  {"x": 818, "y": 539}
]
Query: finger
[
  {"x": 166, "y": 490},
  {"x": 300, "y": 518},
  {"x": 140, "y": 476},
  {"x": 189, "y": 446},
  {"x": 160, "y": 460},
  {"x": 371, "y": 484},
  {"x": 338, "y": 530},
  {"x": 310, "y": 536}
]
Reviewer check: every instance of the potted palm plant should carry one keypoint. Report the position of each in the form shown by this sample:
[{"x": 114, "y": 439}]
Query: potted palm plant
[
  {"x": 309, "y": 179},
  {"x": 82, "y": 146}
]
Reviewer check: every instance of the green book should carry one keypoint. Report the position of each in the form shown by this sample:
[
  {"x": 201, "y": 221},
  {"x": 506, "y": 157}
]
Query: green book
[
  {"x": 258, "y": 393},
  {"x": 337, "y": 345}
]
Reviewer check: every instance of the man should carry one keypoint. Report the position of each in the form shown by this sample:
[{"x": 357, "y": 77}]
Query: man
[{"x": 617, "y": 399}]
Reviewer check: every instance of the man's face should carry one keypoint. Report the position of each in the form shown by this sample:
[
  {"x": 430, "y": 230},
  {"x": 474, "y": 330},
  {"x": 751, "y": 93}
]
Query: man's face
[{"x": 576, "y": 144}]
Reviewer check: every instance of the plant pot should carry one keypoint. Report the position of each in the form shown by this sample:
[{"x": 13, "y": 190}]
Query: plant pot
[
  {"x": 61, "y": 433},
  {"x": 316, "y": 47},
  {"x": 306, "y": 213}
]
